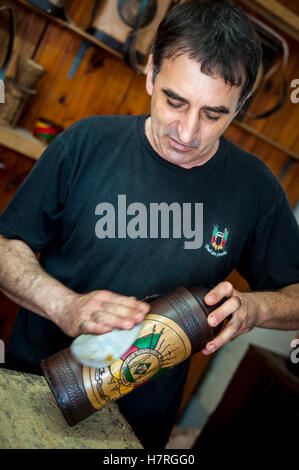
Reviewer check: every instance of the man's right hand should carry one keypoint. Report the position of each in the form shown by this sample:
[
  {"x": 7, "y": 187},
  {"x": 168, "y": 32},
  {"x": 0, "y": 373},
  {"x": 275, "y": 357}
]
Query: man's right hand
[
  {"x": 23, "y": 280},
  {"x": 99, "y": 312}
]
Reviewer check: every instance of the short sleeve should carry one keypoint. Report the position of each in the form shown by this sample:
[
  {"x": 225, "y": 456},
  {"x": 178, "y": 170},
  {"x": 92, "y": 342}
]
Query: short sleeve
[
  {"x": 271, "y": 259},
  {"x": 34, "y": 214}
]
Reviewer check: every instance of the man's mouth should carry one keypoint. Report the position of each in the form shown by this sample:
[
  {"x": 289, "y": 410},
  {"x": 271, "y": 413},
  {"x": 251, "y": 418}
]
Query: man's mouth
[{"x": 179, "y": 146}]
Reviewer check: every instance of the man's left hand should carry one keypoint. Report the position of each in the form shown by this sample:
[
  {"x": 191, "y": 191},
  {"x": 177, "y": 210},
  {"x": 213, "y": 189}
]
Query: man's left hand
[{"x": 241, "y": 305}]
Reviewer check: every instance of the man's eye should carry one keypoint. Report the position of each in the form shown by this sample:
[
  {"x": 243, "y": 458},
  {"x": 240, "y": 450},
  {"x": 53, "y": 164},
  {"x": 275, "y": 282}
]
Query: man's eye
[
  {"x": 212, "y": 118},
  {"x": 174, "y": 105}
]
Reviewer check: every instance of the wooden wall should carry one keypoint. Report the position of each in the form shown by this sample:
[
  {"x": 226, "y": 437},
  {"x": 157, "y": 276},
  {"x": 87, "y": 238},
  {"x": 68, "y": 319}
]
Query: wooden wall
[{"x": 103, "y": 84}]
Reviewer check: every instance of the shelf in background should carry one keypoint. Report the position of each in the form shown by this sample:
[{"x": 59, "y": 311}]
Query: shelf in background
[
  {"x": 69, "y": 26},
  {"x": 21, "y": 141}
]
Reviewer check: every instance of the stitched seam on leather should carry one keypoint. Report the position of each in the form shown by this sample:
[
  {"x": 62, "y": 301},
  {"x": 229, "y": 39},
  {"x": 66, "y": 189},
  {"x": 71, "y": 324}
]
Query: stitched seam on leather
[
  {"x": 196, "y": 318},
  {"x": 175, "y": 301}
]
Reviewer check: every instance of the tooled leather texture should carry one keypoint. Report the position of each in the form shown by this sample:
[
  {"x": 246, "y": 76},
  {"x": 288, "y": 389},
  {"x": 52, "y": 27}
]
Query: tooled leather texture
[
  {"x": 186, "y": 307},
  {"x": 64, "y": 377}
]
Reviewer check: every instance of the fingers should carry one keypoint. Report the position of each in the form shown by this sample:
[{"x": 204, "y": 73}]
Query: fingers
[
  {"x": 231, "y": 331},
  {"x": 101, "y": 311},
  {"x": 89, "y": 327},
  {"x": 120, "y": 311},
  {"x": 114, "y": 317},
  {"x": 230, "y": 306},
  {"x": 234, "y": 306},
  {"x": 223, "y": 289},
  {"x": 120, "y": 305},
  {"x": 242, "y": 307},
  {"x": 227, "y": 308}
]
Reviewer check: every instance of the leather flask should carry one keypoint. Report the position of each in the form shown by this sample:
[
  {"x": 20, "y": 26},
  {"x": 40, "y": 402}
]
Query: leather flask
[{"x": 175, "y": 328}]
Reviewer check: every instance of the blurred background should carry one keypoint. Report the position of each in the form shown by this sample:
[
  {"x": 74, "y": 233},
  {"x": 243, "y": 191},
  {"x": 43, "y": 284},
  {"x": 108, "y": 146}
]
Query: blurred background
[{"x": 63, "y": 68}]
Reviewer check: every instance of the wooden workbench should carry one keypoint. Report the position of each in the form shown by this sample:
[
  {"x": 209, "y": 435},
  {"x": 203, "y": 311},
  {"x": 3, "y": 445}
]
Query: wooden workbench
[{"x": 31, "y": 419}]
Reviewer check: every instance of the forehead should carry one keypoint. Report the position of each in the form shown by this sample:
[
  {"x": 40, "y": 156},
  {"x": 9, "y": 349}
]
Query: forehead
[{"x": 184, "y": 76}]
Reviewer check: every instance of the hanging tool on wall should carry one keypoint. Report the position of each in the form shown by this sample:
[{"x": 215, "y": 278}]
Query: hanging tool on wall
[
  {"x": 85, "y": 44},
  {"x": 78, "y": 58}
]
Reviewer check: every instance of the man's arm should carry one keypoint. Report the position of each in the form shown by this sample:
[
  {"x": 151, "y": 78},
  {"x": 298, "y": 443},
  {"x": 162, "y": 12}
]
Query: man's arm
[
  {"x": 274, "y": 310},
  {"x": 23, "y": 280}
]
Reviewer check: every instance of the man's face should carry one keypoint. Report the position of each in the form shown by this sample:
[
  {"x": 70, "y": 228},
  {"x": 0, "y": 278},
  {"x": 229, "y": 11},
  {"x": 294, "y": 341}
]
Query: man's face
[{"x": 189, "y": 111}]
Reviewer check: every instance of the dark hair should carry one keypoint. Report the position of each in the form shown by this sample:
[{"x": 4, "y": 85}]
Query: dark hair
[{"x": 218, "y": 34}]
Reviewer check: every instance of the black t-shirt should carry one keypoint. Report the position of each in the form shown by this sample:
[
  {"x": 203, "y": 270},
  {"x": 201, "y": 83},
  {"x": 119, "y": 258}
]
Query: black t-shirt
[{"x": 102, "y": 176}]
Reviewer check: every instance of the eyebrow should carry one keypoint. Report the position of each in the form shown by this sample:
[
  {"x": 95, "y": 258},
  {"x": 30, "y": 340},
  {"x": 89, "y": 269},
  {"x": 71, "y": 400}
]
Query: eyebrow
[
  {"x": 175, "y": 96},
  {"x": 216, "y": 109}
]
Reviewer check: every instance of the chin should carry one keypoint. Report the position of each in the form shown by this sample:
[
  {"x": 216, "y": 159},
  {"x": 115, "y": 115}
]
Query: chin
[
  {"x": 180, "y": 157},
  {"x": 177, "y": 160}
]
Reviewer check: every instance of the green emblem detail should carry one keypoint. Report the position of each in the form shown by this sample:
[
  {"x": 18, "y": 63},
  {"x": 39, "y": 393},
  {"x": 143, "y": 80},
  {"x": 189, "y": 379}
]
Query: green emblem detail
[
  {"x": 142, "y": 368},
  {"x": 128, "y": 375},
  {"x": 147, "y": 342}
]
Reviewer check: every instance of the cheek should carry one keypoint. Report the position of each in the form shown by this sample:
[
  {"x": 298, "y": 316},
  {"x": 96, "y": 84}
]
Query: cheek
[
  {"x": 215, "y": 130},
  {"x": 161, "y": 111},
  {"x": 163, "y": 120}
]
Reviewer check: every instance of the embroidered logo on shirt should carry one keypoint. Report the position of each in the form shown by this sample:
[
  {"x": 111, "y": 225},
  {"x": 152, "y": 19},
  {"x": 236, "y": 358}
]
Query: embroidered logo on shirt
[{"x": 218, "y": 240}]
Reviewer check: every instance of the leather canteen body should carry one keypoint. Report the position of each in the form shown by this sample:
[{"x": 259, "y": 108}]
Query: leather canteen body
[{"x": 175, "y": 328}]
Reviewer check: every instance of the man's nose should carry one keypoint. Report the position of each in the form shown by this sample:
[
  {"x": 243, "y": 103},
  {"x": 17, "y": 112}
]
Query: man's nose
[{"x": 188, "y": 128}]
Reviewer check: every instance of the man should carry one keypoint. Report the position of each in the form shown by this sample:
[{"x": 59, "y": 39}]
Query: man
[{"x": 76, "y": 209}]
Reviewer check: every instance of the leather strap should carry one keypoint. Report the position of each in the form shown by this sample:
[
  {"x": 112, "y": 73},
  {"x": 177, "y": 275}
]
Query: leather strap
[
  {"x": 11, "y": 26},
  {"x": 130, "y": 50},
  {"x": 92, "y": 16},
  {"x": 281, "y": 42}
]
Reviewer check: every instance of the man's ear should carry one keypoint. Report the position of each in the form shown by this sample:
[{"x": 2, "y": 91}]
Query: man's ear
[
  {"x": 149, "y": 76},
  {"x": 255, "y": 87}
]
